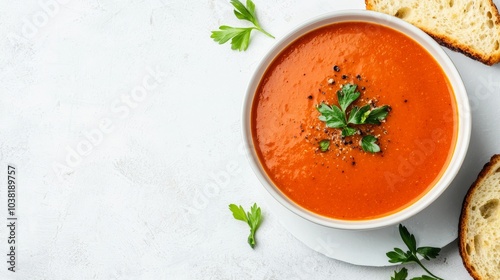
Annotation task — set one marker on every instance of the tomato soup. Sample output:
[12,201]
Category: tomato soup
[416,139]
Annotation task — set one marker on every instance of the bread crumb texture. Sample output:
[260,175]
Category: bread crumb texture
[479,235]
[471,27]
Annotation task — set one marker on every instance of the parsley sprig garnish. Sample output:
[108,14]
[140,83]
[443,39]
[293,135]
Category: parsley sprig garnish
[239,36]
[252,218]
[337,117]
[400,256]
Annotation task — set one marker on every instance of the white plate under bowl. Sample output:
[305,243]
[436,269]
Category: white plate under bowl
[437,224]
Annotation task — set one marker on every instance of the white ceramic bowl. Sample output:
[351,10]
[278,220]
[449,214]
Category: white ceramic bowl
[464,118]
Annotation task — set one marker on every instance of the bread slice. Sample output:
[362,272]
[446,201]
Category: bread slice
[479,229]
[470,27]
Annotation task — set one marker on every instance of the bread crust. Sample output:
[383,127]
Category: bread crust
[464,215]
[454,45]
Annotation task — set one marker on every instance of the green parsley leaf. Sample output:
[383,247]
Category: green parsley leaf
[346,95]
[241,41]
[251,9]
[243,12]
[400,275]
[368,143]
[240,36]
[324,145]
[252,218]
[357,115]
[408,239]
[238,212]
[399,256]
[376,115]
[348,131]
[428,252]
[332,115]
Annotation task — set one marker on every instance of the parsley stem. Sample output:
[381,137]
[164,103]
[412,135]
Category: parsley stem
[426,270]
[251,238]
[263,31]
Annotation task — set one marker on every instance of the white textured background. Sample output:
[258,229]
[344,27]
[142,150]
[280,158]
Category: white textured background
[149,200]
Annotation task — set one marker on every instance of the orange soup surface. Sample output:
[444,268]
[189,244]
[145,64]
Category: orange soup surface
[416,139]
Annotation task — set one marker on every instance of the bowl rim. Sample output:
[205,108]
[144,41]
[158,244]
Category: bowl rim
[433,48]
